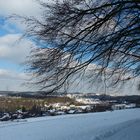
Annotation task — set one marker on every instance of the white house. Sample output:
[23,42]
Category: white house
[118,106]
[123,106]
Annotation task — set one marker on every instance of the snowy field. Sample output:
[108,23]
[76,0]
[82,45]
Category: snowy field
[116,125]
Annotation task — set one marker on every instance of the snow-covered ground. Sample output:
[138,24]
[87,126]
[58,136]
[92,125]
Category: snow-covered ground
[116,125]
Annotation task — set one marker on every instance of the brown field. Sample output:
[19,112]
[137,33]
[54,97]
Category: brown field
[11,104]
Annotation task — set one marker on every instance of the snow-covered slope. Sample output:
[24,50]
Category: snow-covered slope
[116,125]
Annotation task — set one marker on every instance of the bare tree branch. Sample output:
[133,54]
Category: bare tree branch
[76,34]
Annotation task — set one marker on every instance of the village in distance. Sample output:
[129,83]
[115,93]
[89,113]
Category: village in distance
[21,105]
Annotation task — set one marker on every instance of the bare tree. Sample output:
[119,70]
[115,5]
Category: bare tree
[76,35]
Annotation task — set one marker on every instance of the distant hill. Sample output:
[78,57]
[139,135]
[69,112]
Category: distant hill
[42,94]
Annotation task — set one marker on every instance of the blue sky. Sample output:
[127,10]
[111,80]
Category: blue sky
[14,52]
[7,27]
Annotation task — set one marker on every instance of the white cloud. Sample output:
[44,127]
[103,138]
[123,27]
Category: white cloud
[21,7]
[13,49]
[8,74]
[27,8]
[12,80]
